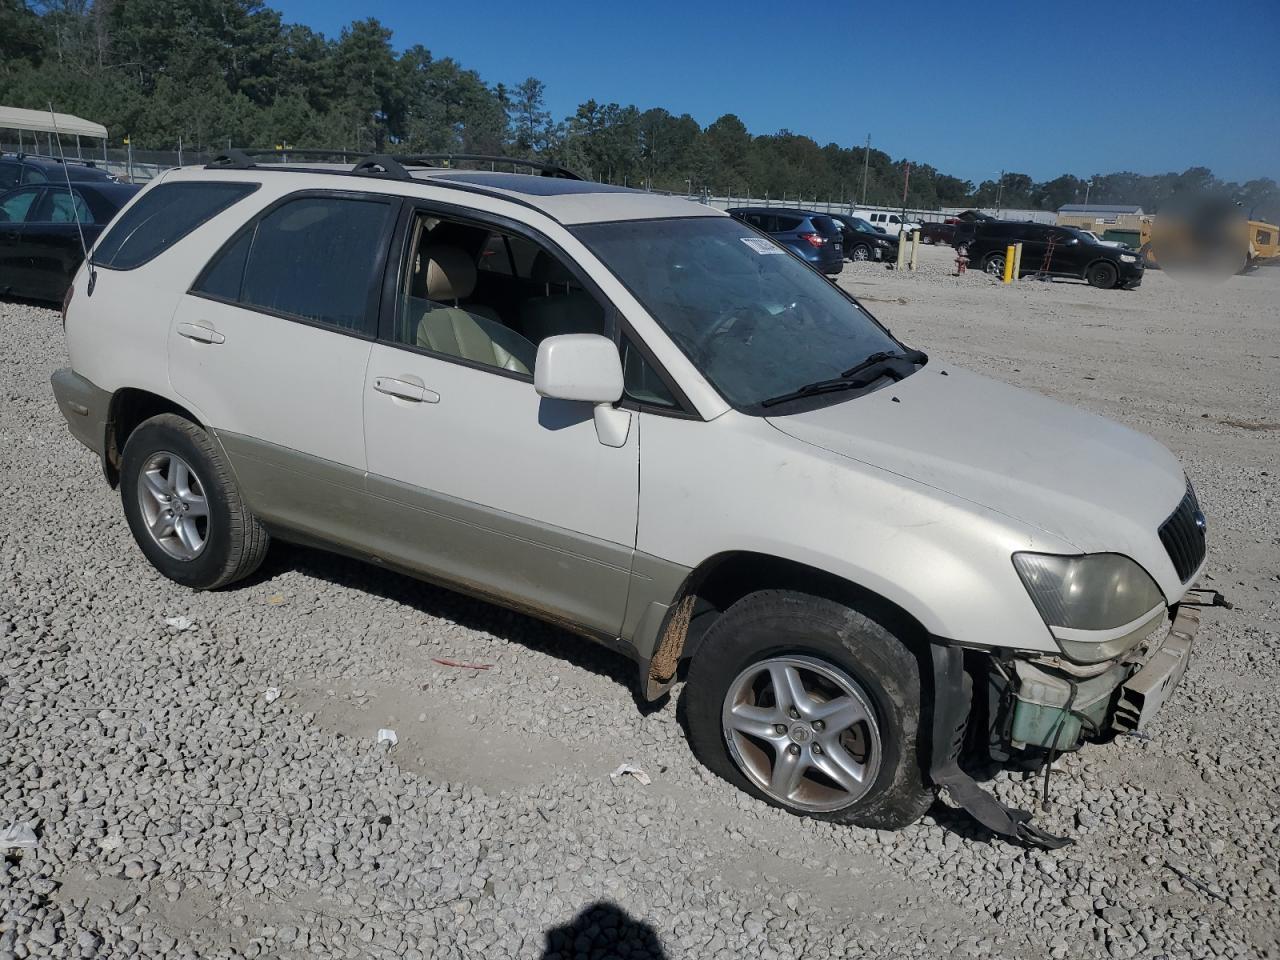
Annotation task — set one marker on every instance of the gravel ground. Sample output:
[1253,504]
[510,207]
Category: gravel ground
[213,787]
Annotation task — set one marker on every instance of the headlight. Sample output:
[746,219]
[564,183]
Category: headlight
[1127,258]
[1094,605]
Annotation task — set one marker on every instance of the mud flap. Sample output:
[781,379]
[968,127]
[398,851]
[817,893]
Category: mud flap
[951,704]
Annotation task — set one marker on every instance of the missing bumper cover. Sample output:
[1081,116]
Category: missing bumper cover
[951,705]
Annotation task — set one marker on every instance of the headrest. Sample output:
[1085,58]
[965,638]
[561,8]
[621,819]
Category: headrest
[547,269]
[449,273]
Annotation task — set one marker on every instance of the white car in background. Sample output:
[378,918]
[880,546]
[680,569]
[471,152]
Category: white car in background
[890,223]
[631,415]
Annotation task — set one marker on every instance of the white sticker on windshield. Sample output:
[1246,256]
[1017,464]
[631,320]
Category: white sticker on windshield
[761,245]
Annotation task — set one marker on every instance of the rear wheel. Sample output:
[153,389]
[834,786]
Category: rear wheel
[860,252]
[183,506]
[812,707]
[1102,275]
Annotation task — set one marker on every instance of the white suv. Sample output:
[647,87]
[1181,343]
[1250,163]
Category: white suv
[639,418]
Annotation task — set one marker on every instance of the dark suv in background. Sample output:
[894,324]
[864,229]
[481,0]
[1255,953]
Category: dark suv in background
[1056,252]
[813,237]
[19,168]
[862,241]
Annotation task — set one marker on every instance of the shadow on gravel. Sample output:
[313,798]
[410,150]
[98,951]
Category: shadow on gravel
[469,612]
[603,931]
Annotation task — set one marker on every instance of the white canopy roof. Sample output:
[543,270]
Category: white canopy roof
[15,118]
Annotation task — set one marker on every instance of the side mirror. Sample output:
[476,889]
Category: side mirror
[585,367]
[578,366]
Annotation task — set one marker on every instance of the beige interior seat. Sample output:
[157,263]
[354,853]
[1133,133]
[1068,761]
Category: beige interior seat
[566,307]
[443,276]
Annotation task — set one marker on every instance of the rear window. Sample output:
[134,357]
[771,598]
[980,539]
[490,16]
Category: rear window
[162,217]
[826,226]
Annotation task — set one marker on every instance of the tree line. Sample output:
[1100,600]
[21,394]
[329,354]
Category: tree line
[210,72]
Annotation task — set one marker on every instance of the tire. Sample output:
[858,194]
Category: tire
[1102,275]
[828,643]
[994,265]
[860,253]
[174,481]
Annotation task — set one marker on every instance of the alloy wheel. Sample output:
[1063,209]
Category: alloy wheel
[803,731]
[172,500]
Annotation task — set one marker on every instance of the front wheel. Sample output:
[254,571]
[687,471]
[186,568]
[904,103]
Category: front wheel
[994,265]
[860,253]
[183,507]
[1102,275]
[810,706]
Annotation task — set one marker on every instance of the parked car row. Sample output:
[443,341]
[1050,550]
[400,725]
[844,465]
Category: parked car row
[824,240]
[40,245]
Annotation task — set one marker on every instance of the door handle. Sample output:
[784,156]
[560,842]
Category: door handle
[200,333]
[405,390]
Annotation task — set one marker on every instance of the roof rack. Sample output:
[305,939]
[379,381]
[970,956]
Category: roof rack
[242,158]
[381,165]
[432,159]
[391,166]
[85,161]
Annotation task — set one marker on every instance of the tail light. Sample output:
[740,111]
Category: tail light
[66,301]
[815,239]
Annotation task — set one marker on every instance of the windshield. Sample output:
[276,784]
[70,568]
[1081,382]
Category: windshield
[753,318]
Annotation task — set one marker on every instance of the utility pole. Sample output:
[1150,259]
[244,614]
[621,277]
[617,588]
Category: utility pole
[1087,187]
[999,192]
[866,161]
[906,182]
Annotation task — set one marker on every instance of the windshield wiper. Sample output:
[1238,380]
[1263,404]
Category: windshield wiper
[880,364]
[881,359]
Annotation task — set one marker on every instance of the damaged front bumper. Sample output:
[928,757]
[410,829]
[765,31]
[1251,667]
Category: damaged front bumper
[1043,704]
[1056,705]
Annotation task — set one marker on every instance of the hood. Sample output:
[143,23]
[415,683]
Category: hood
[1084,479]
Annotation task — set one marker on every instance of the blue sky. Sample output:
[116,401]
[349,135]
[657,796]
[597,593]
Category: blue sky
[1073,86]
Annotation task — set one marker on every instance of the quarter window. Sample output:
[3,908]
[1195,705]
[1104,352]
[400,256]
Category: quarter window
[163,216]
[641,382]
[314,258]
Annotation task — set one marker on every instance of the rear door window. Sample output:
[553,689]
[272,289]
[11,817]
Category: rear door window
[163,216]
[61,206]
[785,223]
[314,258]
[10,173]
